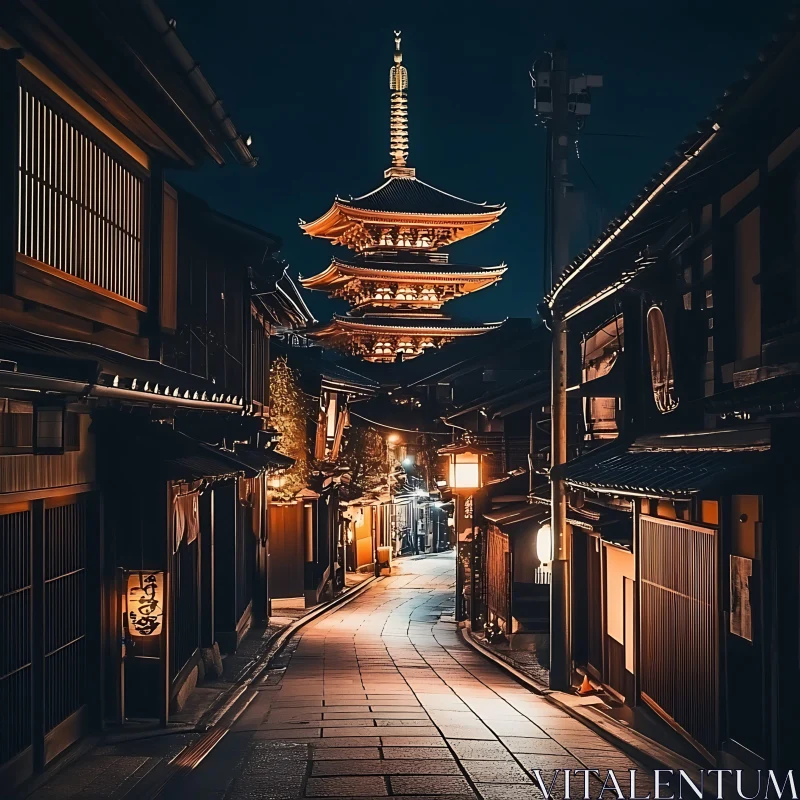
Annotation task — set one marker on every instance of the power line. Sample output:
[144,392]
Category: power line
[395,428]
[618,135]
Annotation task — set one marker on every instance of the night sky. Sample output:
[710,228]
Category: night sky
[309,81]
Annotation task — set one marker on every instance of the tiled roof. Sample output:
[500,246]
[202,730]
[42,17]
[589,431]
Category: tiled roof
[420,322]
[409,195]
[399,267]
[661,472]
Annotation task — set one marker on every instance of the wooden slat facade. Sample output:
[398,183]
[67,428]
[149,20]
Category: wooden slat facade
[678,625]
[498,576]
[79,206]
[44,666]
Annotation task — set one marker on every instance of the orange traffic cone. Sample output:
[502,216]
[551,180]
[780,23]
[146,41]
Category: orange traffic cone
[586,687]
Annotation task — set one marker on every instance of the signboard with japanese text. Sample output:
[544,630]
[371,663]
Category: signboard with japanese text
[145,596]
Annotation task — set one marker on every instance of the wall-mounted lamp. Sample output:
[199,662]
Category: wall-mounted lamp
[544,544]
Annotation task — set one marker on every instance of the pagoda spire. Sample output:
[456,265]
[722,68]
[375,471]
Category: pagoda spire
[398,128]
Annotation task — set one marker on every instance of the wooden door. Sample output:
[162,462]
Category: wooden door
[286,550]
[498,578]
[678,625]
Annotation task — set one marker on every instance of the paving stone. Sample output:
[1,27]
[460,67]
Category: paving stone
[347,741]
[345,753]
[532,762]
[429,785]
[495,772]
[407,766]
[510,791]
[411,741]
[420,753]
[361,786]
[542,746]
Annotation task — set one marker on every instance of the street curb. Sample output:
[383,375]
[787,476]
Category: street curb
[636,745]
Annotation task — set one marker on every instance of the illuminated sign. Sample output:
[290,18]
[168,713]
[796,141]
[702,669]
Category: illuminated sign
[145,598]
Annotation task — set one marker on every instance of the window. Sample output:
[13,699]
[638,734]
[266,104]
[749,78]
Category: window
[747,297]
[17,428]
[779,284]
[79,206]
[661,373]
[601,351]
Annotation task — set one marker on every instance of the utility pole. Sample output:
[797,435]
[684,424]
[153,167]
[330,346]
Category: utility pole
[562,103]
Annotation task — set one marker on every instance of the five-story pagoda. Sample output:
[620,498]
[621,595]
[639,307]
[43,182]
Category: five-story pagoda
[398,279]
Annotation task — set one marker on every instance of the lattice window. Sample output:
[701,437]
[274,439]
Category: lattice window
[80,209]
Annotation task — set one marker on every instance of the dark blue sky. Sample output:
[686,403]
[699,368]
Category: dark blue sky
[309,81]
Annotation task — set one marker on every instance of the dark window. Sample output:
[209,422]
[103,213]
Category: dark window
[601,350]
[661,374]
[779,277]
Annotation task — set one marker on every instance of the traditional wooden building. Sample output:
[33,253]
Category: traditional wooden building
[308,550]
[680,328]
[132,335]
[399,278]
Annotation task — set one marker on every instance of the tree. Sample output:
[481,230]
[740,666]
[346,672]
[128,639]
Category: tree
[364,453]
[288,412]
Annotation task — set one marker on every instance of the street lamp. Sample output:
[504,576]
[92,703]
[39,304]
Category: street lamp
[466,465]
[466,478]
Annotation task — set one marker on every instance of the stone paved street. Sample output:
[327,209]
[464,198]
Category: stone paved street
[382,698]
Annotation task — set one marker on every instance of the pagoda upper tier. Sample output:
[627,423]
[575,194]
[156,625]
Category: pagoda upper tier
[400,282]
[398,279]
[402,213]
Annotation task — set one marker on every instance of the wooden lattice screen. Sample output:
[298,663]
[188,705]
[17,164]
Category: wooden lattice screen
[679,624]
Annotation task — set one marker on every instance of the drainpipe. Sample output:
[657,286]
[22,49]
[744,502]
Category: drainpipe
[560,587]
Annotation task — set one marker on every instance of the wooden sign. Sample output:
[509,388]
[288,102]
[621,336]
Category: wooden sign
[145,598]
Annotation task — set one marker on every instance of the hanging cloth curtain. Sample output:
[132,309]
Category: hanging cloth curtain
[186,515]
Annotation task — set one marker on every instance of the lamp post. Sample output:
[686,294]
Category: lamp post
[465,479]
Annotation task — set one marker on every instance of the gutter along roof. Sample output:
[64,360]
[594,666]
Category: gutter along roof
[149,82]
[94,370]
[696,148]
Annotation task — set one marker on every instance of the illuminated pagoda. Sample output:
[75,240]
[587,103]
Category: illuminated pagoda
[397,279]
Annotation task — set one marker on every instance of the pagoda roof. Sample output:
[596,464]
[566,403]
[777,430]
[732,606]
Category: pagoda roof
[409,195]
[420,324]
[341,271]
[401,201]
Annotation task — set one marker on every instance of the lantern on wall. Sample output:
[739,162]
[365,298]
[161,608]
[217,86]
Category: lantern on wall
[544,544]
[145,603]
[466,464]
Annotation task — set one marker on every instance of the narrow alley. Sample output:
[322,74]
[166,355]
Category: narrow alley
[381,698]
